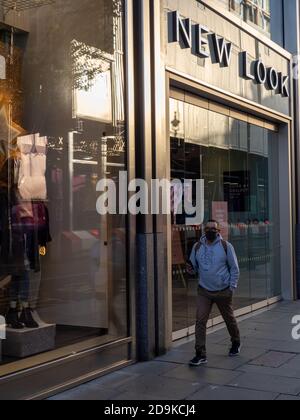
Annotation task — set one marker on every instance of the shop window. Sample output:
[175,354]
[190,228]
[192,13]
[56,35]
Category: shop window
[62,128]
[238,163]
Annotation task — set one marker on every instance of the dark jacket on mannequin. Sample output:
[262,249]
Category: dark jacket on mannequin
[21,232]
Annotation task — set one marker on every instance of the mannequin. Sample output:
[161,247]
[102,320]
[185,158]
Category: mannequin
[30,231]
[24,235]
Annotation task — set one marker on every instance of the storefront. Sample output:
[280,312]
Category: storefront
[170,89]
[229,106]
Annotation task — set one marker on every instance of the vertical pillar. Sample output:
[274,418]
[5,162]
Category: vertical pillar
[161,170]
[145,289]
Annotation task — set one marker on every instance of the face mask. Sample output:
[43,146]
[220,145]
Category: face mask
[211,235]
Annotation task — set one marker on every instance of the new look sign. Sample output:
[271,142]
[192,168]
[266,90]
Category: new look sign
[205,44]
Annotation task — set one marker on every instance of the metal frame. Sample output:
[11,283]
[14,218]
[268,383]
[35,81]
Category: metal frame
[230,100]
[222,109]
[145,258]
[42,366]
[160,171]
[60,375]
[131,167]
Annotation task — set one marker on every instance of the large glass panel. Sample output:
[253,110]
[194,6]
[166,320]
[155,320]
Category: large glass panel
[62,126]
[237,195]
[272,224]
[238,163]
[196,143]
[187,142]
[217,165]
[259,212]
[177,132]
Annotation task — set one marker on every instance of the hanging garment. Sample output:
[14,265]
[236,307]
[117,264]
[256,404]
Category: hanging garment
[31,179]
[11,241]
[32,220]
[24,225]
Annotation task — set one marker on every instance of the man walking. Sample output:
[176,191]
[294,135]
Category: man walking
[216,263]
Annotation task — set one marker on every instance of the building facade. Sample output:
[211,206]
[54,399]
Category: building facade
[166,89]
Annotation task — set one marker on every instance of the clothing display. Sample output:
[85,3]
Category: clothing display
[23,230]
[32,168]
[24,222]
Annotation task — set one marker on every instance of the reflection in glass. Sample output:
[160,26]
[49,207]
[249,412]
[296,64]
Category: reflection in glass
[62,129]
[239,165]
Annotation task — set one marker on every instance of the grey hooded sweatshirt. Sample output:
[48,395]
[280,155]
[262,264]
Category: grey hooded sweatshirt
[217,271]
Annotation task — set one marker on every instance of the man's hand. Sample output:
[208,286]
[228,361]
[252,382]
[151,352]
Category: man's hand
[190,269]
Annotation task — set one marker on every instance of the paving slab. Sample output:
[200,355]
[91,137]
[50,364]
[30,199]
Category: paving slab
[177,357]
[269,383]
[266,327]
[286,372]
[161,387]
[272,316]
[273,359]
[86,393]
[294,363]
[246,352]
[287,398]
[283,334]
[134,396]
[227,363]
[203,374]
[225,393]
[148,368]
[275,345]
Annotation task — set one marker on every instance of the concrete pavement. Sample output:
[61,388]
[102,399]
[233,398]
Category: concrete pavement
[268,368]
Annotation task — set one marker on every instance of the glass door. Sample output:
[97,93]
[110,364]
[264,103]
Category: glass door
[237,163]
[189,132]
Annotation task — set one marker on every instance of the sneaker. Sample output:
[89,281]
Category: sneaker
[12,320]
[235,350]
[27,319]
[198,361]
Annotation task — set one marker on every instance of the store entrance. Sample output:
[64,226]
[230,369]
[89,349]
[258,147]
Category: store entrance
[237,165]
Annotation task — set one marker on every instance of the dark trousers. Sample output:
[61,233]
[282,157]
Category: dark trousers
[224,301]
[20,288]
